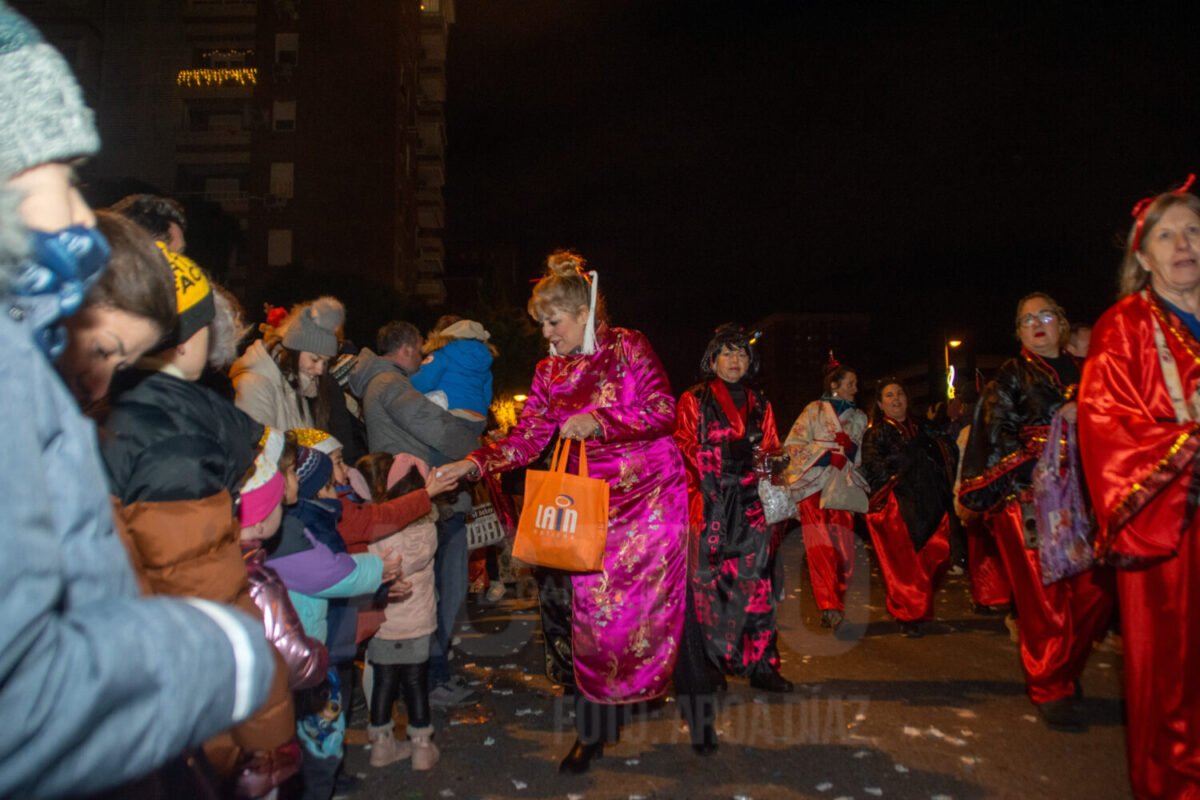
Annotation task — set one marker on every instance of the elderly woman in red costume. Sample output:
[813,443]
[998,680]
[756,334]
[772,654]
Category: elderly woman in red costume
[910,469]
[1139,424]
[1057,623]
[723,427]
[606,386]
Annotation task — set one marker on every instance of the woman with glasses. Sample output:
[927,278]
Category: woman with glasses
[1059,622]
[1138,436]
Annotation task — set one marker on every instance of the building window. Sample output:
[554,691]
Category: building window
[279,247]
[283,117]
[287,48]
[283,179]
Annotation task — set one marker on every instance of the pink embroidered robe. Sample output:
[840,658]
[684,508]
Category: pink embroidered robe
[626,620]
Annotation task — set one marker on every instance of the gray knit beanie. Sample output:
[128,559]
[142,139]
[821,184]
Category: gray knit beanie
[42,114]
[313,326]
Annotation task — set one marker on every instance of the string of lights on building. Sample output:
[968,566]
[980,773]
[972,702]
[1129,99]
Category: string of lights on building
[220,76]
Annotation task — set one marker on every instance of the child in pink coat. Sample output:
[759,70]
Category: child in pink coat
[399,653]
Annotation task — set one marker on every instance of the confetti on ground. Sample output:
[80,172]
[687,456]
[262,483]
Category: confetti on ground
[518,785]
[1029,718]
[446,793]
[574,797]
[824,786]
[474,683]
[631,762]
[505,692]
[900,768]
[527,677]
[965,713]
[911,731]
[862,754]
[488,742]
[1102,665]
[970,761]
[874,791]
[860,717]
[507,666]
[452,722]
[940,797]
[742,797]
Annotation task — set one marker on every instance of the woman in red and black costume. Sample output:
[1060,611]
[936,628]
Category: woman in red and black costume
[722,427]
[1140,436]
[911,471]
[1057,623]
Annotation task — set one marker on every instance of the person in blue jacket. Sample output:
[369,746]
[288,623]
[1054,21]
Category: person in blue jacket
[459,364]
[104,686]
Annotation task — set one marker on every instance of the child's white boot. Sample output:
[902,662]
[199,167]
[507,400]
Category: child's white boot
[385,747]
[424,752]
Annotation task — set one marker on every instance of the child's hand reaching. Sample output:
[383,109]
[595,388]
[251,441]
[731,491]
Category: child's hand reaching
[391,566]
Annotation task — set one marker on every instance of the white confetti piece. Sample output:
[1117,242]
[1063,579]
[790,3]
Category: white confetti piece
[446,793]
[474,683]
[452,722]
[504,692]
[574,796]
[862,754]
[1029,717]
[507,666]
[488,742]
[522,712]
[900,768]
[965,713]
[935,733]
[940,797]
[823,786]
[860,717]
[742,797]
[954,740]
[874,791]
[911,731]
[966,731]
[631,762]
[1102,665]
[527,677]
[844,797]
[519,785]
[969,760]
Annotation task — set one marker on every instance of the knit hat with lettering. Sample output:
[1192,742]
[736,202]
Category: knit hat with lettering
[194,305]
[312,327]
[42,114]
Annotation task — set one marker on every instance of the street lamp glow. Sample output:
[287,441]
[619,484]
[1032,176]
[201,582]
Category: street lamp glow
[954,342]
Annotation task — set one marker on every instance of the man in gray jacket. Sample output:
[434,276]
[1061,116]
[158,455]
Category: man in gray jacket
[400,419]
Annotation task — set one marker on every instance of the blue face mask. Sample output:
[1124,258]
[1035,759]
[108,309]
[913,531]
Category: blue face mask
[64,265]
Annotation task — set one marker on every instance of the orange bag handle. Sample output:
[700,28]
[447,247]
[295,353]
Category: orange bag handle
[562,454]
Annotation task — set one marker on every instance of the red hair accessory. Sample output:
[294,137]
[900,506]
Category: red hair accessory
[832,363]
[1143,205]
[276,316]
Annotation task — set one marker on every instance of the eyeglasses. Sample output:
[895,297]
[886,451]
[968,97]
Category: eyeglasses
[1044,317]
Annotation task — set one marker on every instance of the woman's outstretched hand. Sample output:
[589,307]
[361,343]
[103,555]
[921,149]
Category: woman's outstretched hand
[437,481]
[454,472]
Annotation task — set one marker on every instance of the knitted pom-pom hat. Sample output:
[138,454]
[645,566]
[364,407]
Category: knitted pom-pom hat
[312,327]
[263,490]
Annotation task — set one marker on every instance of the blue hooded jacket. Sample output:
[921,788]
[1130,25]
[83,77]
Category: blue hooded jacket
[463,370]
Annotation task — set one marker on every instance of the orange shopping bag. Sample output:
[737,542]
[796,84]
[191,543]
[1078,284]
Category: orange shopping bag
[564,523]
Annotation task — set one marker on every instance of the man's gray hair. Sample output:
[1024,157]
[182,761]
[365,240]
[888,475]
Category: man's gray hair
[395,335]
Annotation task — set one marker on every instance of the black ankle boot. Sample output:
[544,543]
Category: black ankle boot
[580,757]
[707,744]
[770,681]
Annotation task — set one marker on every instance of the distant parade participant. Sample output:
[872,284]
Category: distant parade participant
[911,472]
[1057,623]
[721,426]
[823,477]
[1138,431]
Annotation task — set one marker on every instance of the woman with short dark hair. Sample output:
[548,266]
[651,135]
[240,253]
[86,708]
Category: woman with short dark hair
[723,427]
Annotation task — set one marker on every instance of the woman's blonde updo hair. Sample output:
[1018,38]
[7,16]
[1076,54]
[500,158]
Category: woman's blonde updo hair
[1134,277]
[565,287]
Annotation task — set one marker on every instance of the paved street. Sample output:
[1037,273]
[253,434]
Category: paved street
[873,715]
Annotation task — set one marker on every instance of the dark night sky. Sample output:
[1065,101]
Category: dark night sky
[927,164]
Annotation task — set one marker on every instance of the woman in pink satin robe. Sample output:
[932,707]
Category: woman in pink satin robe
[605,386]
[1139,435]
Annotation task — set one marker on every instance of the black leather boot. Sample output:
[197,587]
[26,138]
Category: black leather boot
[580,758]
